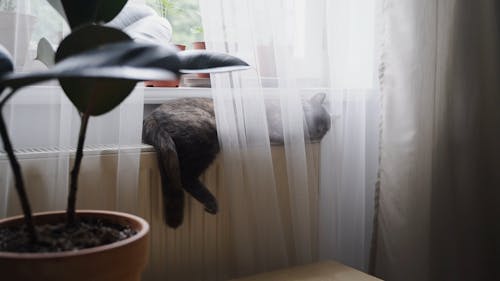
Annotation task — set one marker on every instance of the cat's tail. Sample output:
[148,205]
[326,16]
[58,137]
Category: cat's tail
[168,164]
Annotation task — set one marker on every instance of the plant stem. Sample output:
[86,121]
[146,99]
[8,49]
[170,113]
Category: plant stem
[16,170]
[70,211]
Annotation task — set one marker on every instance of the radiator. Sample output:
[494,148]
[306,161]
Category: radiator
[203,248]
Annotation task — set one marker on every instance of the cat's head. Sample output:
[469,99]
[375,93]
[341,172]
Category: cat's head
[317,119]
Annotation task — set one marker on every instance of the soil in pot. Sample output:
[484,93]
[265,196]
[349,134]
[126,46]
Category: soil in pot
[86,233]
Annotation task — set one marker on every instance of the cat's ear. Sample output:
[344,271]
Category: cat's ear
[318,98]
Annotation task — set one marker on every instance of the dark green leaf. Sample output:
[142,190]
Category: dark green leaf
[6,65]
[98,96]
[19,80]
[81,12]
[87,38]
[120,51]
[130,54]
[198,61]
[97,80]
[45,52]
[153,61]
[108,10]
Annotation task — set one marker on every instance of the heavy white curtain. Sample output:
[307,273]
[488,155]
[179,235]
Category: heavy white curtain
[440,160]
[44,125]
[296,48]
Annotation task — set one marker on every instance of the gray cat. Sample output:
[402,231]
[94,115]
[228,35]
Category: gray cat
[184,135]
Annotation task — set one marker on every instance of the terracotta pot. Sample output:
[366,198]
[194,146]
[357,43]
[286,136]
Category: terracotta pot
[162,83]
[200,46]
[166,83]
[123,260]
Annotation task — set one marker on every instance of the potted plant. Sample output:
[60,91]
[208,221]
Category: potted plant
[97,68]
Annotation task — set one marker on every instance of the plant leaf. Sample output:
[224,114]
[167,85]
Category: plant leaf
[94,90]
[87,95]
[6,65]
[108,10]
[199,61]
[97,76]
[87,38]
[121,50]
[45,52]
[19,80]
[96,96]
[129,53]
[155,62]
[81,12]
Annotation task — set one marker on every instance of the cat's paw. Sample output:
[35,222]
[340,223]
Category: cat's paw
[173,221]
[211,207]
[174,208]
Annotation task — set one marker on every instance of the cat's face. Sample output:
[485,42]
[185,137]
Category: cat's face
[317,118]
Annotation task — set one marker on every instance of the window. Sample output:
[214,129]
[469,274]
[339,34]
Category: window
[24,22]
[184,16]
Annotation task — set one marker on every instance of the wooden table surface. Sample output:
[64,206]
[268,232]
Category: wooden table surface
[321,271]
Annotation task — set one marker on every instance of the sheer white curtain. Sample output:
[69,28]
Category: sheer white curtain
[297,48]
[44,125]
[439,192]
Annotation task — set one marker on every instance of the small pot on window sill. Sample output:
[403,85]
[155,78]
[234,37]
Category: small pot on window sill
[165,83]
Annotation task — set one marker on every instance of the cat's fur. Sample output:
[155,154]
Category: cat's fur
[184,135]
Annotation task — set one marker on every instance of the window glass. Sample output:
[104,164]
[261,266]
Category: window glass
[184,16]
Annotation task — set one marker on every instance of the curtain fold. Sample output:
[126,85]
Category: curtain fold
[296,49]
[439,191]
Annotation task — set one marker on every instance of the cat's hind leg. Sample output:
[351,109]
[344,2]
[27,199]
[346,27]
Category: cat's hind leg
[201,193]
